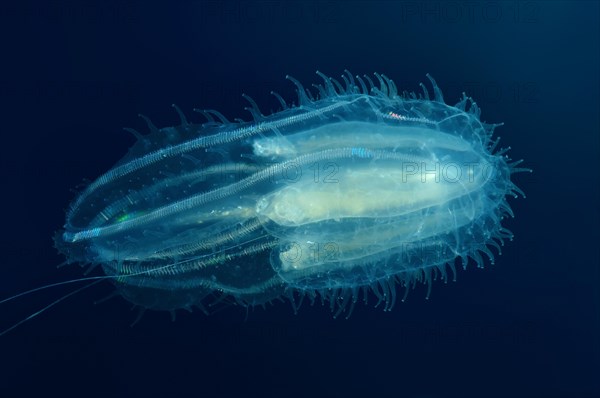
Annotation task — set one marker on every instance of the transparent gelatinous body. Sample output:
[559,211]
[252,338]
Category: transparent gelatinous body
[360,188]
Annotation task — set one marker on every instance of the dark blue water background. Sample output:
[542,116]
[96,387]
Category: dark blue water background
[75,73]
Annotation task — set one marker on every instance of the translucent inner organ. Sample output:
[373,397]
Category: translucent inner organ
[340,213]
[384,191]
